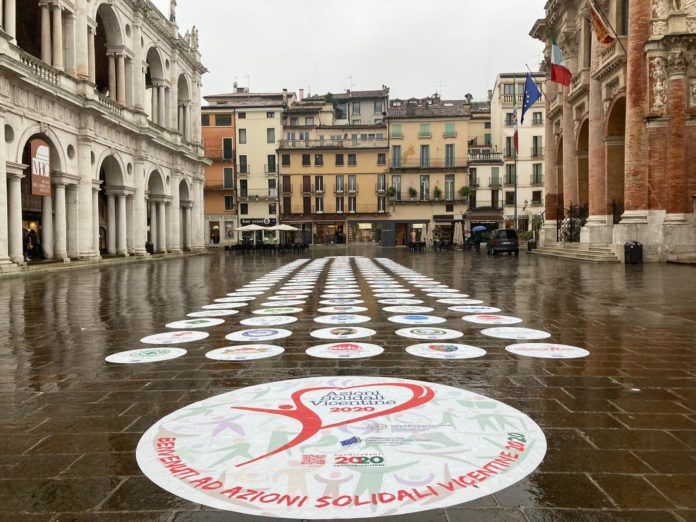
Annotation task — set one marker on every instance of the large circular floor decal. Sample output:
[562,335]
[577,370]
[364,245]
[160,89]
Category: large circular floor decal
[182,336]
[342,319]
[345,350]
[522,334]
[429,334]
[269,320]
[336,448]
[548,351]
[445,351]
[258,335]
[343,332]
[202,322]
[146,355]
[213,313]
[492,319]
[417,319]
[245,353]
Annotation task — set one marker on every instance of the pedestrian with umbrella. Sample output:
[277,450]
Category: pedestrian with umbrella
[477,236]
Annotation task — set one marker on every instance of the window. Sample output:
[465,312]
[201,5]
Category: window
[381,158]
[271,165]
[241,115]
[272,208]
[352,160]
[396,185]
[229,203]
[306,184]
[319,160]
[495,176]
[228,180]
[510,175]
[352,204]
[425,156]
[306,160]
[205,120]
[449,187]
[243,167]
[339,205]
[287,205]
[270,135]
[227,149]
[223,120]
[352,183]
[306,205]
[537,174]
[242,136]
[509,198]
[622,17]
[339,160]
[294,120]
[487,125]
[537,148]
[319,183]
[396,130]
[509,119]
[538,118]
[244,209]
[273,188]
[285,160]
[319,205]
[309,120]
[381,201]
[356,108]
[339,184]
[243,188]
[304,136]
[396,156]
[487,139]
[510,151]
[341,111]
[449,207]
[495,199]
[449,155]
[473,178]
[536,197]
[379,107]
[381,183]
[449,130]
[424,131]
[508,89]
[270,114]
[287,184]
[425,188]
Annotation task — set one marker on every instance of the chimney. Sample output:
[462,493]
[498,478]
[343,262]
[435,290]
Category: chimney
[285,96]
[301,96]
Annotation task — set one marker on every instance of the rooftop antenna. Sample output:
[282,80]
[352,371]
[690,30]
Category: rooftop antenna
[440,86]
[350,83]
[248,79]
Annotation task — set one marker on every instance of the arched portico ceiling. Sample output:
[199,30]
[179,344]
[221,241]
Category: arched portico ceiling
[616,117]
[183,88]
[155,64]
[108,21]
[111,168]
[58,161]
[155,183]
[184,191]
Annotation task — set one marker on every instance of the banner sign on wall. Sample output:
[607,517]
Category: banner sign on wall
[40,168]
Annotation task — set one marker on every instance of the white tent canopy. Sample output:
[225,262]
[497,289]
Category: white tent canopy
[250,228]
[284,228]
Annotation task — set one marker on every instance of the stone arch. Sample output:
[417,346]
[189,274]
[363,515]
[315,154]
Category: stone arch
[112,205]
[155,183]
[185,228]
[157,211]
[111,162]
[184,106]
[559,172]
[108,40]
[58,159]
[615,131]
[156,91]
[583,166]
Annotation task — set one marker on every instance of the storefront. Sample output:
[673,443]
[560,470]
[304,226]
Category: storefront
[365,232]
[330,233]
[259,236]
[221,229]
[444,228]
[398,233]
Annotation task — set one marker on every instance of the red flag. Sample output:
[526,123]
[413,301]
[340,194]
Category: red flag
[600,26]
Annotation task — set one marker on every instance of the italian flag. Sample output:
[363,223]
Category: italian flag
[559,70]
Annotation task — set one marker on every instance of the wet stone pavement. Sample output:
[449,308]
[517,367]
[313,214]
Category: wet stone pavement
[620,424]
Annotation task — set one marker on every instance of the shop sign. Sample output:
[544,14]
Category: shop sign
[40,168]
[262,222]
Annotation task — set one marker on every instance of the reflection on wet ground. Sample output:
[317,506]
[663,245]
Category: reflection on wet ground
[620,424]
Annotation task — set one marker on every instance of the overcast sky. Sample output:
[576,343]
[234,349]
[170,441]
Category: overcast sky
[412,46]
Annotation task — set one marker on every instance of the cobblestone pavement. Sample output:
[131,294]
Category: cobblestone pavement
[620,424]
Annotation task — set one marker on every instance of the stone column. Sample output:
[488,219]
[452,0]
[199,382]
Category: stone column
[180,122]
[47,226]
[4,252]
[677,101]
[138,75]
[72,202]
[121,224]
[570,167]
[91,57]
[112,76]
[70,41]
[174,215]
[161,104]
[46,53]
[161,227]
[57,37]
[155,105]
[95,217]
[188,232]
[110,224]
[130,248]
[14,226]
[87,226]
[121,79]
[197,240]
[61,222]
[139,207]
[82,39]
[187,121]
[10,21]
[153,224]
[636,164]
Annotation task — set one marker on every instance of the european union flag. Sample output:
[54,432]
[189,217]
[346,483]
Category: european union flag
[532,94]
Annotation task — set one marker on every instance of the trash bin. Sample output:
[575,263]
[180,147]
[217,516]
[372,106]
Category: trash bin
[531,245]
[633,253]
[149,248]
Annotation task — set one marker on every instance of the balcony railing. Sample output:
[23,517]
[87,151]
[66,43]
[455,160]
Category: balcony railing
[270,169]
[485,157]
[347,143]
[432,163]
[509,98]
[510,180]
[329,209]
[380,188]
[536,180]
[425,135]
[510,153]
[473,183]
[537,152]
[218,154]
[244,170]
[218,185]
[449,134]
[258,195]
[494,183]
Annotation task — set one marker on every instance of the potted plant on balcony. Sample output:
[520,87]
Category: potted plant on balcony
[464,192]
[412,193]
[391,192]
[437,194]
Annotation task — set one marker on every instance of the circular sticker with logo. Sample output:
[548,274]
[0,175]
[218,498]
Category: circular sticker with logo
[393,296]
[400,301]
[293,292]
[213,313]
[492,319]
[283,304]
[245,352]
[224,306]
[341,302]
[238,299]
[429,334]
[145,355]
[267,334]
[445,351]
[459,301]
[408,309]
[342,309]
[340,295]
[522,334]
[343,332]
[178,337]
[245,293]
[269,320]
[440,295]
[475,309]
[345,351]
[417,319]
[342,319]
[302,298]
[278,310]
[548,351]
[202,322]
[340,448]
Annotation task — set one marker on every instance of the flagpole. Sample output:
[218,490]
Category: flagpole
[541,89]
[516,147]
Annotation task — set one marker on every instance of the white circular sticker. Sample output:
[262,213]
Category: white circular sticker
[302,298]
[244,293]
[213,313]
[340,448]
[245,352]
[460,301]
[278,310]
[266,334]
[408,309]
[145,355]
[342,309]
[202,322]
[341,302]
[393,296]
[340,295]
[516,333]
[445,351]
[429,334]
[342,319]
[400,301]
[343,332]
[283,304]
[548,351]
[182,336]
[440,295]
[269,320]
[475,309]
[224,306]
[345,351]
[238,299]
[492,319]
[417,319]
[293,292]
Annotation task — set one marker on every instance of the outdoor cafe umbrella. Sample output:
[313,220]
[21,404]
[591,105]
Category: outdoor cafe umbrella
[458,238]
[285,228]
[429,234]
[250,228]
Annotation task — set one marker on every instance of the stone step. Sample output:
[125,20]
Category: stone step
[580,255]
